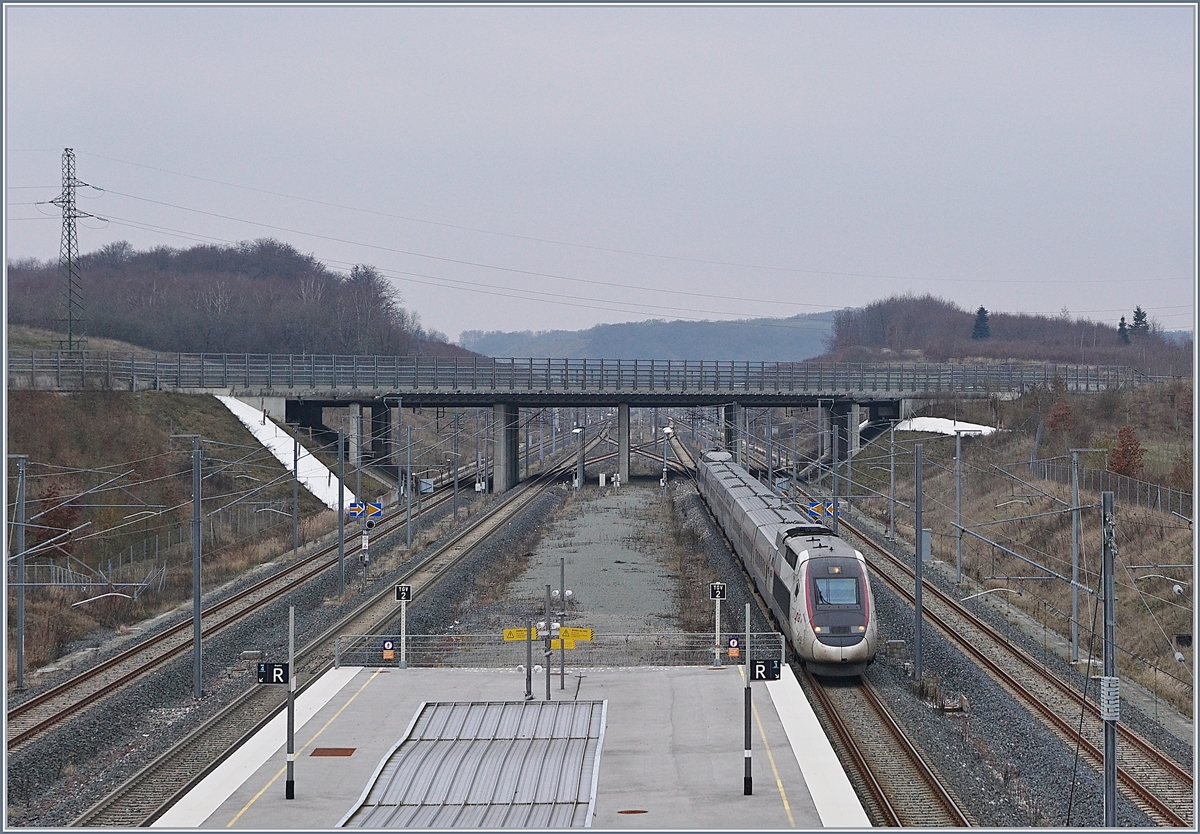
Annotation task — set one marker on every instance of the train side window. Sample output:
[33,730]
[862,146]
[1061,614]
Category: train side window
[790,555]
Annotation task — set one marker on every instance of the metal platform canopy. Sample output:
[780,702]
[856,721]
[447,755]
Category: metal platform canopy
[490,764]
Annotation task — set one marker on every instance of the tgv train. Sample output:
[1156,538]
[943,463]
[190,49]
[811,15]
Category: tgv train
[814,582]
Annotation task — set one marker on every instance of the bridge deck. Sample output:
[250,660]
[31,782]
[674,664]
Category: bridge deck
[485,381]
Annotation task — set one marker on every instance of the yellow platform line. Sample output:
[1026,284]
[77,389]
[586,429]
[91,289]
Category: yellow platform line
[770,758]
[283,769]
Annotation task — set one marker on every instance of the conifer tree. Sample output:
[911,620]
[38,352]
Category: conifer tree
[1140,324]
[981,330]
[1123,331]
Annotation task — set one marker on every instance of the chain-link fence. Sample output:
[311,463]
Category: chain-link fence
[492,651]
[1126,490]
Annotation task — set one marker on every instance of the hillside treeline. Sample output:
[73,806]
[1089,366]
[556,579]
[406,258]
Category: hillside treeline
[256,297]
[754,340]
[927,328]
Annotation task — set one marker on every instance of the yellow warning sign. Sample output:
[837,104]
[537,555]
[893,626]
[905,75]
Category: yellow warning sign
[518,634]
[389,654]
[575,633]
[565,643]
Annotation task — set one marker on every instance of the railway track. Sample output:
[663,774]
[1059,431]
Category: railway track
[899,786]
[1154,782]
[1151,780]
[150,792]
[33,717]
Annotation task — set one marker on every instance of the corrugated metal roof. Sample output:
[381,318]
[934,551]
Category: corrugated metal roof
[491,764]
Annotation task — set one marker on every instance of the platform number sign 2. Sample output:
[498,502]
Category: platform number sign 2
[717,590]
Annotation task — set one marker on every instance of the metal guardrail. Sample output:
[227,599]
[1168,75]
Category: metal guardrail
[261,373]
[1126,490]
[491,651]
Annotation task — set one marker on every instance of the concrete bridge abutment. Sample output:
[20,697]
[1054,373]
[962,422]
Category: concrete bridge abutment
[508,438]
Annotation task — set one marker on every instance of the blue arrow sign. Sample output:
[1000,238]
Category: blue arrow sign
[822,509]
[356,509]
[375,510]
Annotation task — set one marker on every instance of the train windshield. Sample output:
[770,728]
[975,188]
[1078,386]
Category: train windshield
[837,591]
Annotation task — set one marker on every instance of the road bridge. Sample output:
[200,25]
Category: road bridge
[295,387]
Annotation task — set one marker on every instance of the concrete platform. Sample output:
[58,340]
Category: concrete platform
[672,752]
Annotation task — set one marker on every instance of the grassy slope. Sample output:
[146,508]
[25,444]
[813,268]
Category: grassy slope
[1149,614]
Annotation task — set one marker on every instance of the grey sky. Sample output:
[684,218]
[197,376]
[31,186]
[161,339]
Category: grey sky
[770,161]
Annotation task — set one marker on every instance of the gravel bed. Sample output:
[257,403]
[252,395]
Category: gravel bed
[56,778]
[998,760]
[1025,636]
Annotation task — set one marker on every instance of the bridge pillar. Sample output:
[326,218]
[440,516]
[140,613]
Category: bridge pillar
[846,418]
[381,432]
[732,420]
[305,414]
[623,442]
[508,440]
[354,432]
[395,418]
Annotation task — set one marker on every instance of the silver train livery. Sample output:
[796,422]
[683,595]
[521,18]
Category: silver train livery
[814,582]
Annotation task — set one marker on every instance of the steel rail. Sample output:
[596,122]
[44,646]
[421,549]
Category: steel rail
[286,579]
[1171,769]
[202,750]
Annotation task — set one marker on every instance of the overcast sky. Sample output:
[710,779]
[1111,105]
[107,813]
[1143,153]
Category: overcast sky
[544,168]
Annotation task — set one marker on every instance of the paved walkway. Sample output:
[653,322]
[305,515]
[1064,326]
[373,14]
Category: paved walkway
[672,753]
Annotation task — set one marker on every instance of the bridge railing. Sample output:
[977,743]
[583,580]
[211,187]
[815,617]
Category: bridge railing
[80,370]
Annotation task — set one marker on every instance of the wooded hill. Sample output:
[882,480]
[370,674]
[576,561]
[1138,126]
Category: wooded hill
[930,329]
[791,339]
[256,297]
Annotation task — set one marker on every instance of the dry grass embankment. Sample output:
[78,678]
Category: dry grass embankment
[1032,520]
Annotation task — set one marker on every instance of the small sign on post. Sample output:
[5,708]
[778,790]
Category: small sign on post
[273,673]
[764,669]
[717,590]
[403,593]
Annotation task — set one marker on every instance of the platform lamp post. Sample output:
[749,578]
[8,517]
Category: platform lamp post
[1075,536]
[1110,693]
[197,528]
[457,415]
[408,486]
[579,468]
[295,427]
[958,507]
[667,432]
[919,613]
[20,533]
[341,513]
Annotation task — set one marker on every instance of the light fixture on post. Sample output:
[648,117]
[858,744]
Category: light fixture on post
[579,469]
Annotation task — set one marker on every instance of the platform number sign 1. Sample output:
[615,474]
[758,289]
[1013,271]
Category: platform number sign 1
[403,593]
[717,590]
[273,673]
